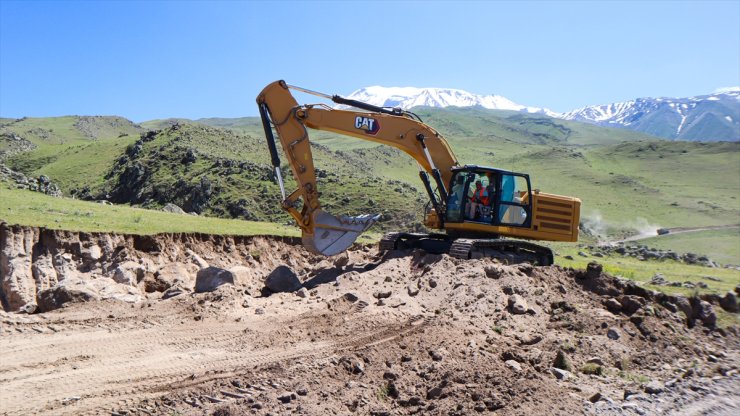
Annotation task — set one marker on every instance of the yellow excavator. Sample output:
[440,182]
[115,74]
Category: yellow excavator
[477,207]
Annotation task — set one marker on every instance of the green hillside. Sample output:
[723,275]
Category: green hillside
[74,151]
[628,182]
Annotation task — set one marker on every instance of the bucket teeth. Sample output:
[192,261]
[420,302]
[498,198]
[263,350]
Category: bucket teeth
[333,235]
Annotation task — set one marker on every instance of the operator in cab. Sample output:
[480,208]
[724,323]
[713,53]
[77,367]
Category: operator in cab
[479,198]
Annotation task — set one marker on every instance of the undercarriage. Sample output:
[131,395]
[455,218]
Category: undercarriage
[506,250]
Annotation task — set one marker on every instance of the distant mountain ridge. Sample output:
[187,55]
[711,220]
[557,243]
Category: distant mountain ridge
[408,97]
[711,117]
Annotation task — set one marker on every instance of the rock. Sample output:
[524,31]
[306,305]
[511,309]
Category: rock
[595,360]
[436,355]
[124,276]
[595,397]
[582,254]
[65,292]
[286,397]
[210,278]
[174,291]
[172,208]
[92,253]
[437,392]
[634,407]
[493,271]
[684,305]
[173,274]
[341,261]
[729,302]
[658,279]
[382,294]
[593,270]
[560,374]
[613,333]
[412,289]
[613,305]
[247,279]
[631,303]
[358,367]
[390,376]
[562,361]
[513,365]
[517,304]
[302,293]
[628,393]
[705,313]
[283,279]
[654,387]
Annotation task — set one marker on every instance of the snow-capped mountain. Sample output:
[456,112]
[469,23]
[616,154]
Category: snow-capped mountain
[408,97]
[706,117]
[710,117]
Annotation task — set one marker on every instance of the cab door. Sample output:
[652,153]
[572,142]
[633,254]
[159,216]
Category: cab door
[513,206]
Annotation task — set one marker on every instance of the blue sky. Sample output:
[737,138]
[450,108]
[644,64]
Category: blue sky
[147,60]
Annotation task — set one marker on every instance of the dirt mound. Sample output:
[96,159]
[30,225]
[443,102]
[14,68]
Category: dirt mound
[367,333]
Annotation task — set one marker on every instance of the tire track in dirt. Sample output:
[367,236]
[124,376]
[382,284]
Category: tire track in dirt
[120,366]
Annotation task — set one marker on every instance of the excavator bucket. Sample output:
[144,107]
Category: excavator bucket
[334,235]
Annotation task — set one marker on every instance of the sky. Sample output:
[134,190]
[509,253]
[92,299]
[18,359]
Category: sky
[147,60]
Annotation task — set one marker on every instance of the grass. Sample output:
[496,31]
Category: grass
[724,245]
[38,210]
[643,271]
[592,369]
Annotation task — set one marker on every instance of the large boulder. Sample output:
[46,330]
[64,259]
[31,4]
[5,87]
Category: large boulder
[71,290]
[85,288]
[173,274]
[283,279]
[729,302]
[124,275]
[248,279]
[631,303]
[210,278]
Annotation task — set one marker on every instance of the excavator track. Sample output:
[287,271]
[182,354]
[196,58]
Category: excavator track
[506,250]
[513,251]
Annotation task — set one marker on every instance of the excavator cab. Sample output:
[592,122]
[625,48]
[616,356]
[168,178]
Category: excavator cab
[489,196]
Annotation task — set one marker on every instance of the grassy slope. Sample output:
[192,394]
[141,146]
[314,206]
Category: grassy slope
[73,151]
[35,209]
[643,271]
[724,245]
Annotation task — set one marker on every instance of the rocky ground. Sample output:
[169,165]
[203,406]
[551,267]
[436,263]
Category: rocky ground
[208,325]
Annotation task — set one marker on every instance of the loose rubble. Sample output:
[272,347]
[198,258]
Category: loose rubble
[186,324]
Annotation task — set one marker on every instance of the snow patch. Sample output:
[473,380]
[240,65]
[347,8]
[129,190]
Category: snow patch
[725,90]
[408,97]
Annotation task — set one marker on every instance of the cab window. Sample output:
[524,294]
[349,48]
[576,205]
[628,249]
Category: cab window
[514,202]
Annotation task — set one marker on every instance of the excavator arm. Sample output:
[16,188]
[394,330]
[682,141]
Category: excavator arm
[322,232]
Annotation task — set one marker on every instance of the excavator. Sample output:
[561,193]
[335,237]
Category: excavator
[479,211]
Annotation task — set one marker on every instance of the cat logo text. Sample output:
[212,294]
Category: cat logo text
[369,125]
